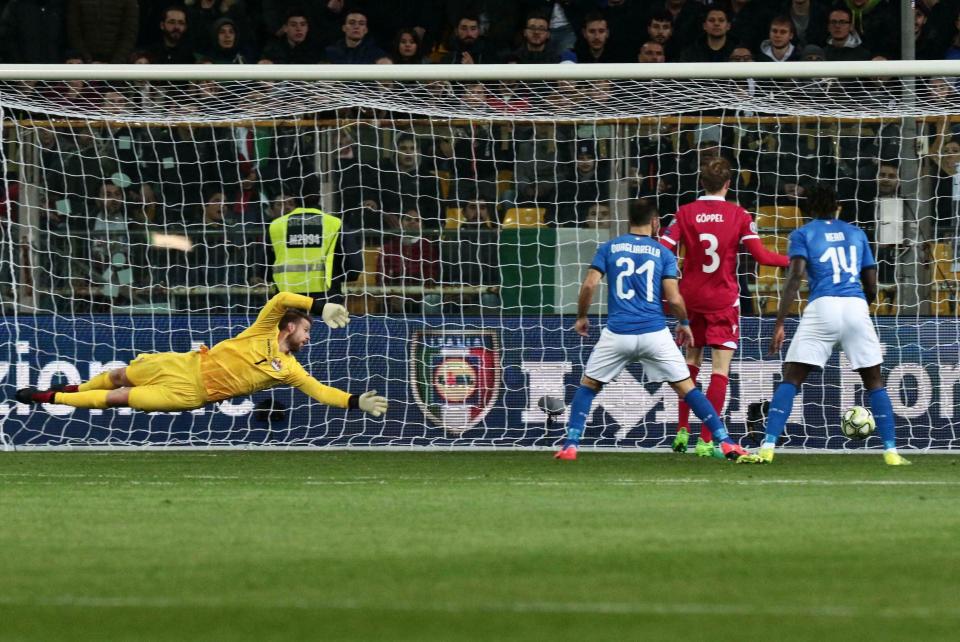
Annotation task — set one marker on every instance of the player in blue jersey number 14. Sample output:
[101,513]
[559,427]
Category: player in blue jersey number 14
[842,275]
[640,272]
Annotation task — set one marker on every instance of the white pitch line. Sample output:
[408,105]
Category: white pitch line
[558,608]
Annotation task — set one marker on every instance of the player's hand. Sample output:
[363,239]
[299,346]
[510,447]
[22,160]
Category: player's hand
[335,315]
[684,336]
[466,59]
[582,326]
[776,341]
[373,403]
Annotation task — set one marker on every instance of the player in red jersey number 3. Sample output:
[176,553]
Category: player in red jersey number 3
[711,230]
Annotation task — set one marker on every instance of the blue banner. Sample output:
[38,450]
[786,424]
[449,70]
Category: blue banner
[474,382]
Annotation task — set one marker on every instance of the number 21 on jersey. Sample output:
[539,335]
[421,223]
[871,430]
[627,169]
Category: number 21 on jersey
[840,263]
[628,269]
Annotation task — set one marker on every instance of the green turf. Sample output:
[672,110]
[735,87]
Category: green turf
[446,546]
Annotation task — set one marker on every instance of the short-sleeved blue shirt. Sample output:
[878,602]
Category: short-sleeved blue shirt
[635,266]
[836,252]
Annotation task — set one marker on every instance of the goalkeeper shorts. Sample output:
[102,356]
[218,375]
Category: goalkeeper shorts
[167,381]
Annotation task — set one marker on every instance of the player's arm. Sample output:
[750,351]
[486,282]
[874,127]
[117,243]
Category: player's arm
[762,255]
[587,290]
[751,240]
[333,314]
[868,278]
[671,294]
[671,238]
[367,402]
[798,265]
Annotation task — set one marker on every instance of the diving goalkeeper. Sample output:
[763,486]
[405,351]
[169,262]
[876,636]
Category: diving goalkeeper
[260,357]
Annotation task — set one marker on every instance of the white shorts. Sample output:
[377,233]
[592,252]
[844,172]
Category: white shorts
[830,320]
[656,351]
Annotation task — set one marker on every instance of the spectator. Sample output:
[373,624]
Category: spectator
[467,46]
[595,38]
[747,19]
[809,19]
[355,48]
[408,179]
[477,213]
[174,47]
[598,216]
[713,45]
[589,185]
[109,211]
[813,53]
[660,30]
[103,30]
[651,51]
[778,47]
[564,15]
[281,205]
[31,31]
[203,14]
[409,258]
[953,48]
[536,38]
[293,47]
[925,44]
[225,47]
[629,18]
[686,17]
[844,43]
[406,48]
[741,53]
[945,154]
[214,209]
[878,24]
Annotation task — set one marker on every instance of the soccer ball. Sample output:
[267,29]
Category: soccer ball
[858,423]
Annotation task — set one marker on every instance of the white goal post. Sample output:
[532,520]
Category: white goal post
[472,196]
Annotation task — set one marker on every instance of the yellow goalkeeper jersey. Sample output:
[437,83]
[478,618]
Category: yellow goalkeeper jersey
[252,360]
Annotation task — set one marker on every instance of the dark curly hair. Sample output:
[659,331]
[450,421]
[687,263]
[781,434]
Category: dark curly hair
[820,201]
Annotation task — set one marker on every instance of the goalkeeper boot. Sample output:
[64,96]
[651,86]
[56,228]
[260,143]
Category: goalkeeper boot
[703,448]
[568,453]
[893,458]
[737,453]
[32,395]
[680,441]
[766,454]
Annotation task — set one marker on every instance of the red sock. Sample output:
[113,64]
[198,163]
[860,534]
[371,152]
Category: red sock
[70,388]
[684,418]
[716,395]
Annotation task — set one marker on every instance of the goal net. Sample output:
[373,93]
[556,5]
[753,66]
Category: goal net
[137,212]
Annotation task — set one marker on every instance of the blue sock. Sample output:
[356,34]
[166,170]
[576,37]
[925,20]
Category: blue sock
[579,411]
[780,409]
[703,409]
[882,411]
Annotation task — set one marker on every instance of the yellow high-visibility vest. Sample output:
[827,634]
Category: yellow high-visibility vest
[304,242]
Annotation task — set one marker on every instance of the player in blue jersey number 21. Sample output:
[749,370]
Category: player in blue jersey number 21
[640,273]
[842,275]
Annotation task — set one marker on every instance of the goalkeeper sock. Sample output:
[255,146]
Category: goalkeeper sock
[579,411]
[100,382]
[683,420]
[702,408]
[882,410]
[780,409]
[716,395]
[88,399]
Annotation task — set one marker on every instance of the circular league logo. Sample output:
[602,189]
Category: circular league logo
[455,380]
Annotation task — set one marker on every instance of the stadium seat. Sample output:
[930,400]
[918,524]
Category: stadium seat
[776,242]
[504,182]
[444,179]
[524,217]
[944,279]
[779,217]
[454,218]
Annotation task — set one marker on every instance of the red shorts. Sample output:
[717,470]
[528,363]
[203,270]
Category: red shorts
[719,329]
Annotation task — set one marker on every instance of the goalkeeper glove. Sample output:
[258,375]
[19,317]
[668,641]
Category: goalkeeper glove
[373,403]
[335,315]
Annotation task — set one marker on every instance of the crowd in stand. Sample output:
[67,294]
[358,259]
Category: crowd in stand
[397,180]
[466,31]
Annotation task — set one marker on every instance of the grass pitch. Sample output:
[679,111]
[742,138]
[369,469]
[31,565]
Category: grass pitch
[447,546]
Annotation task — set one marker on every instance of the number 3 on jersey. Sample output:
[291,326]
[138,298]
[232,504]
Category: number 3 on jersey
[838,259]
[629,268]
[711,252]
